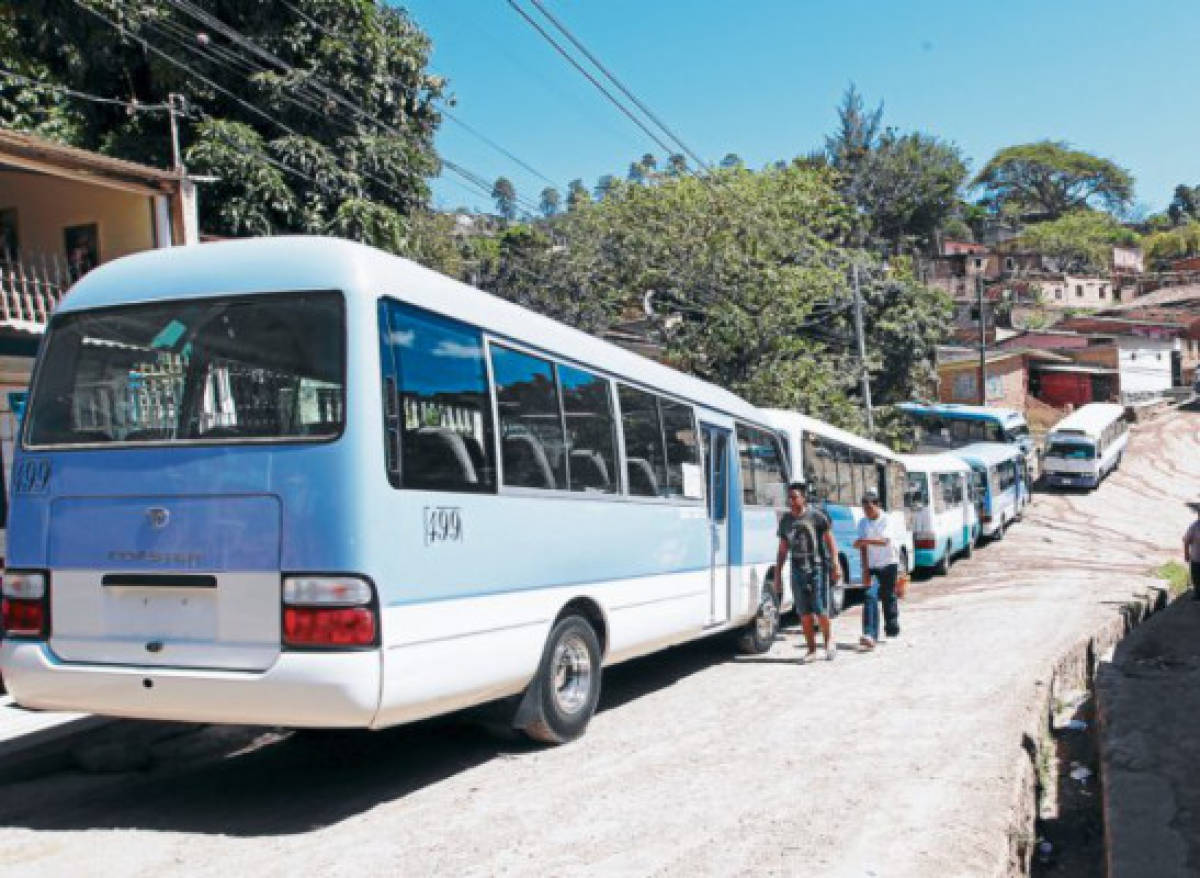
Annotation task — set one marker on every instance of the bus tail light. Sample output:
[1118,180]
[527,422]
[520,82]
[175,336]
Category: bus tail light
[329,612]
[924,541]
[26,610]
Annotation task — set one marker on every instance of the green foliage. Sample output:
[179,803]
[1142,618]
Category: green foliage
[1049,179]
[907,186]
[857,133]
[1185,205]
[357,172]
[504,193]
[1175,574]
[746,277]
[551,202]
[1082,240]
[1177,243]
[577,195]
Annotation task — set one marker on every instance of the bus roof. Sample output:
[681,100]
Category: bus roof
[1090,419]
[363,274]
[782,419]
[953,410]
[988,453]
[934,463]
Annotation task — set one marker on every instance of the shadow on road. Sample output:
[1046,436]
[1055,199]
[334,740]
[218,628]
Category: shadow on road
[246,782]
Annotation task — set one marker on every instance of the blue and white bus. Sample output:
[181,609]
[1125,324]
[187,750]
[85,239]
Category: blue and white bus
[301,482]
[841,466]
[945,522]
[999,487]
[945,426]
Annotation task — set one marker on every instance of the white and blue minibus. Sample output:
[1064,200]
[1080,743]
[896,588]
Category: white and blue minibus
[840,466]
[945,523]
[301,482]
[1086,445]
[998,475]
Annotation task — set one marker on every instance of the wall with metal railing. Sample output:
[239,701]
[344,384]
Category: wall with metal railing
[31,287]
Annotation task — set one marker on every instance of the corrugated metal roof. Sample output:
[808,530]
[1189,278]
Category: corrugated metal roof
[27,147]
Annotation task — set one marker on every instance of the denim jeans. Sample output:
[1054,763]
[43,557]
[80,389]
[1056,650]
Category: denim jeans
[870,605]
[886,577]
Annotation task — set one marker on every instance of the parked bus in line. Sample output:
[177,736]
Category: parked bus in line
[940,489]
[1086,445]
[946,426]
[840,466]
[998,485]
[301,482]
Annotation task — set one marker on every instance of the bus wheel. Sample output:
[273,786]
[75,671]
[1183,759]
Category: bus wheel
[999,534]
[563,696]
[942,567]
[969,548]
[759,635]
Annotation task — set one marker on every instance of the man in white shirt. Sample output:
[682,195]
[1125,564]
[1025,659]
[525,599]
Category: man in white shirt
[880,565]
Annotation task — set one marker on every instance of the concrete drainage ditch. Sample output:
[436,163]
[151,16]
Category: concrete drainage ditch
[1057,817]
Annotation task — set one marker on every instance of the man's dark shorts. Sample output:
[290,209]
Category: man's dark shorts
[808,588]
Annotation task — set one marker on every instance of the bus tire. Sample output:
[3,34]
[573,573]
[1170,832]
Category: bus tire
[563,695]
[759,635]
[942,567]
[969,548]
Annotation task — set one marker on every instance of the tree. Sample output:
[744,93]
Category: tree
[551,202]
[677,165]
[908,186]
[1081,241]
[1185,205]
[637,173]
[340,139]
[747,281]
[1049,179]
[504,193]
[731,161]
[857,133]
[1176,243]
[577,195]
[604,186]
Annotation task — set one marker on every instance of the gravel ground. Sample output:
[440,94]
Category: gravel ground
[907,761]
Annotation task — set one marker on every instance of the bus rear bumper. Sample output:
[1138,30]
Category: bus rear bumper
[928,557]
[302,689]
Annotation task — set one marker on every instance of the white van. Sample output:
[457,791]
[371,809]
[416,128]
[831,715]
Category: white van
[941,495]
[1086,445]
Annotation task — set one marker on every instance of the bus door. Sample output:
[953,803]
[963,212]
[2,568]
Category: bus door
[717,444]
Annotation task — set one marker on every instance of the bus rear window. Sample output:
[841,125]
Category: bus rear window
[262,367]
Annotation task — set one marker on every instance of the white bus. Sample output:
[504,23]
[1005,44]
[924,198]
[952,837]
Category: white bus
[1086,445]
[941,490]
[840,466]
[301,482]
[999,485]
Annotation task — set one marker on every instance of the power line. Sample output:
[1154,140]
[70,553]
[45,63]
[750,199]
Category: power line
[332,94]
[97,99]
[571,60]
[620,85]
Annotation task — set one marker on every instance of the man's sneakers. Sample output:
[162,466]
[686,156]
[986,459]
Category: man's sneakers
[830,651]
[809,656]
[866,644]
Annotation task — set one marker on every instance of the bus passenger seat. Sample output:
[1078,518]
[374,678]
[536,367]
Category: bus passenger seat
[438,456]
[641,477]
[525,463]
[588,470]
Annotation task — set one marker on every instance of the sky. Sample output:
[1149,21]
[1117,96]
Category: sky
[762,78]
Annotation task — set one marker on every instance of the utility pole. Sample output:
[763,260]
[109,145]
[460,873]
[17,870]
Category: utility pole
[982,342]
[176,106]
[862,353]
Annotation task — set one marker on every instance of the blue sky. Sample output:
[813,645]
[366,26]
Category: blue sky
[762,77]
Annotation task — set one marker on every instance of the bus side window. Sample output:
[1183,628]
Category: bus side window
[645,460]
[683,450]
[763,478]
[442,404]
[532,441]
[591,440]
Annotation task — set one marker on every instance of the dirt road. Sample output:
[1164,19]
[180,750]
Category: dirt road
[904,762]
